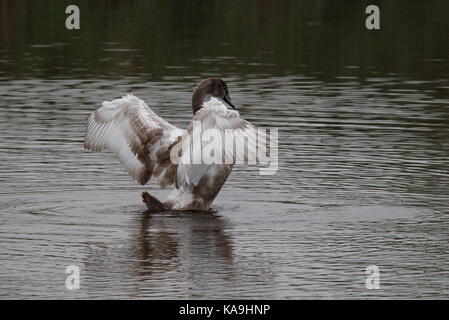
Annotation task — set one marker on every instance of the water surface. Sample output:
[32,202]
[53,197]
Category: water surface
[363,175]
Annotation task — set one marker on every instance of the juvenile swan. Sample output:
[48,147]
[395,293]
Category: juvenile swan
[144,142]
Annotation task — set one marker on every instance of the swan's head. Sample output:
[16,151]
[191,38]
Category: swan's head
[213,87]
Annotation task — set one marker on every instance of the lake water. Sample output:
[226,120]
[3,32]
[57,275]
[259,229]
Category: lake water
[363,179]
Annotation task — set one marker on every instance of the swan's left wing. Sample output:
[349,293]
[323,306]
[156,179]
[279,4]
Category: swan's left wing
[141,139]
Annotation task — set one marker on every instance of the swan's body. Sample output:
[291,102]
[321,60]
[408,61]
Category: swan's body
[143,142]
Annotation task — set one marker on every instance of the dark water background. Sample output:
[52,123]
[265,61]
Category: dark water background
[363,120]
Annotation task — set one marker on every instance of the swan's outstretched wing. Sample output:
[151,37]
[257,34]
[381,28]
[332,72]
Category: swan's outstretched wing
[214,115]
[141,139]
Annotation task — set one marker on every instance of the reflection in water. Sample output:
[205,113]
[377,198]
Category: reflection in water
[324,39]
[165,238]
[162,244]
[154,246]
[174,255]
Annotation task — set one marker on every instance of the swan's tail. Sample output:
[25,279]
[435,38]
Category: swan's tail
[153,204]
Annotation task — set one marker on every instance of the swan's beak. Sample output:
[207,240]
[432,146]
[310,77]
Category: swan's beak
[227,99]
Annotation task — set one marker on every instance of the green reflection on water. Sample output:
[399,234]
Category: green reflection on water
[162,38]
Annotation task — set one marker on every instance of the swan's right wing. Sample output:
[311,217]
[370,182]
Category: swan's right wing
[141,139]
[214,115]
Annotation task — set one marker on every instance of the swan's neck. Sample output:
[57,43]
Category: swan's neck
[199,97]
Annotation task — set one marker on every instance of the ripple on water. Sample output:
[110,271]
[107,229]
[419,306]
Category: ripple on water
[363,179]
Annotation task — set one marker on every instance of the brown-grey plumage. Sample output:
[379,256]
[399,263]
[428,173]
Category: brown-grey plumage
[144,141]
[213,87]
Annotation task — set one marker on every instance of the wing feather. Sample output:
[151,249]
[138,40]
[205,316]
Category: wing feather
[215,115]
[139,137]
